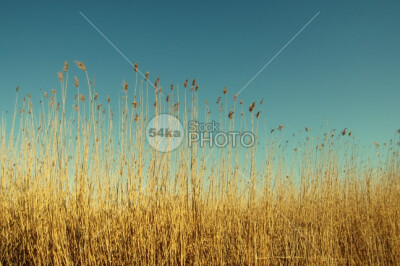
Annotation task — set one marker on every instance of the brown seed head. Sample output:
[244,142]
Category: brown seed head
[125,85]
[60,76]
[252,107]
[80,65]
[230,114]
[225,90]
[280,127]
[376,144]
[194,82]
[176,106]
[17,89]
[186,82]
[197,87]
[258,114]
[108,99]
[96,96]
[82,97]
[136,67]
[218,100]
[53,91]
[241,101]
[147,75]
[65,66]
[172,87]
[167,99]
[76,82]
[344,132]
[235,97]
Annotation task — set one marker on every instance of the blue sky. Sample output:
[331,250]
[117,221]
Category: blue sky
[343,68]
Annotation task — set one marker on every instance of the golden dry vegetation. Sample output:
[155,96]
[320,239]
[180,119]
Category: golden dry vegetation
[81,186]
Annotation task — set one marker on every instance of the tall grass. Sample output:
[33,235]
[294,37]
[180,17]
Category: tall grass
[80,185]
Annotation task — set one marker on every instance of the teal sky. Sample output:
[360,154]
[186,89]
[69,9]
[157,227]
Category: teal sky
[344,67]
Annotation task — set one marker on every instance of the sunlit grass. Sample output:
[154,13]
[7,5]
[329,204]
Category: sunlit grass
[80,185]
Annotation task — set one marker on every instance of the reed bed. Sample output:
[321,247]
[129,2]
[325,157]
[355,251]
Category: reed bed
[80,185]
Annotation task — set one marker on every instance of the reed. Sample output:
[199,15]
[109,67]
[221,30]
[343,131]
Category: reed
[81,186]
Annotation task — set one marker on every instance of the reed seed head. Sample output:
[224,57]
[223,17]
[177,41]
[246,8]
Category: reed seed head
[125,85]
[65,66]
[60,76]
[80,65]
[251,108]
[76,84]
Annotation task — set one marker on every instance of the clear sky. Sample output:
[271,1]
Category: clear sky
[344,67]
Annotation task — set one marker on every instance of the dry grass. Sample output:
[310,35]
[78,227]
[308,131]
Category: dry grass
[80,186]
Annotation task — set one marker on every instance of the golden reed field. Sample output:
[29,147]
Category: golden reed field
[80,185]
